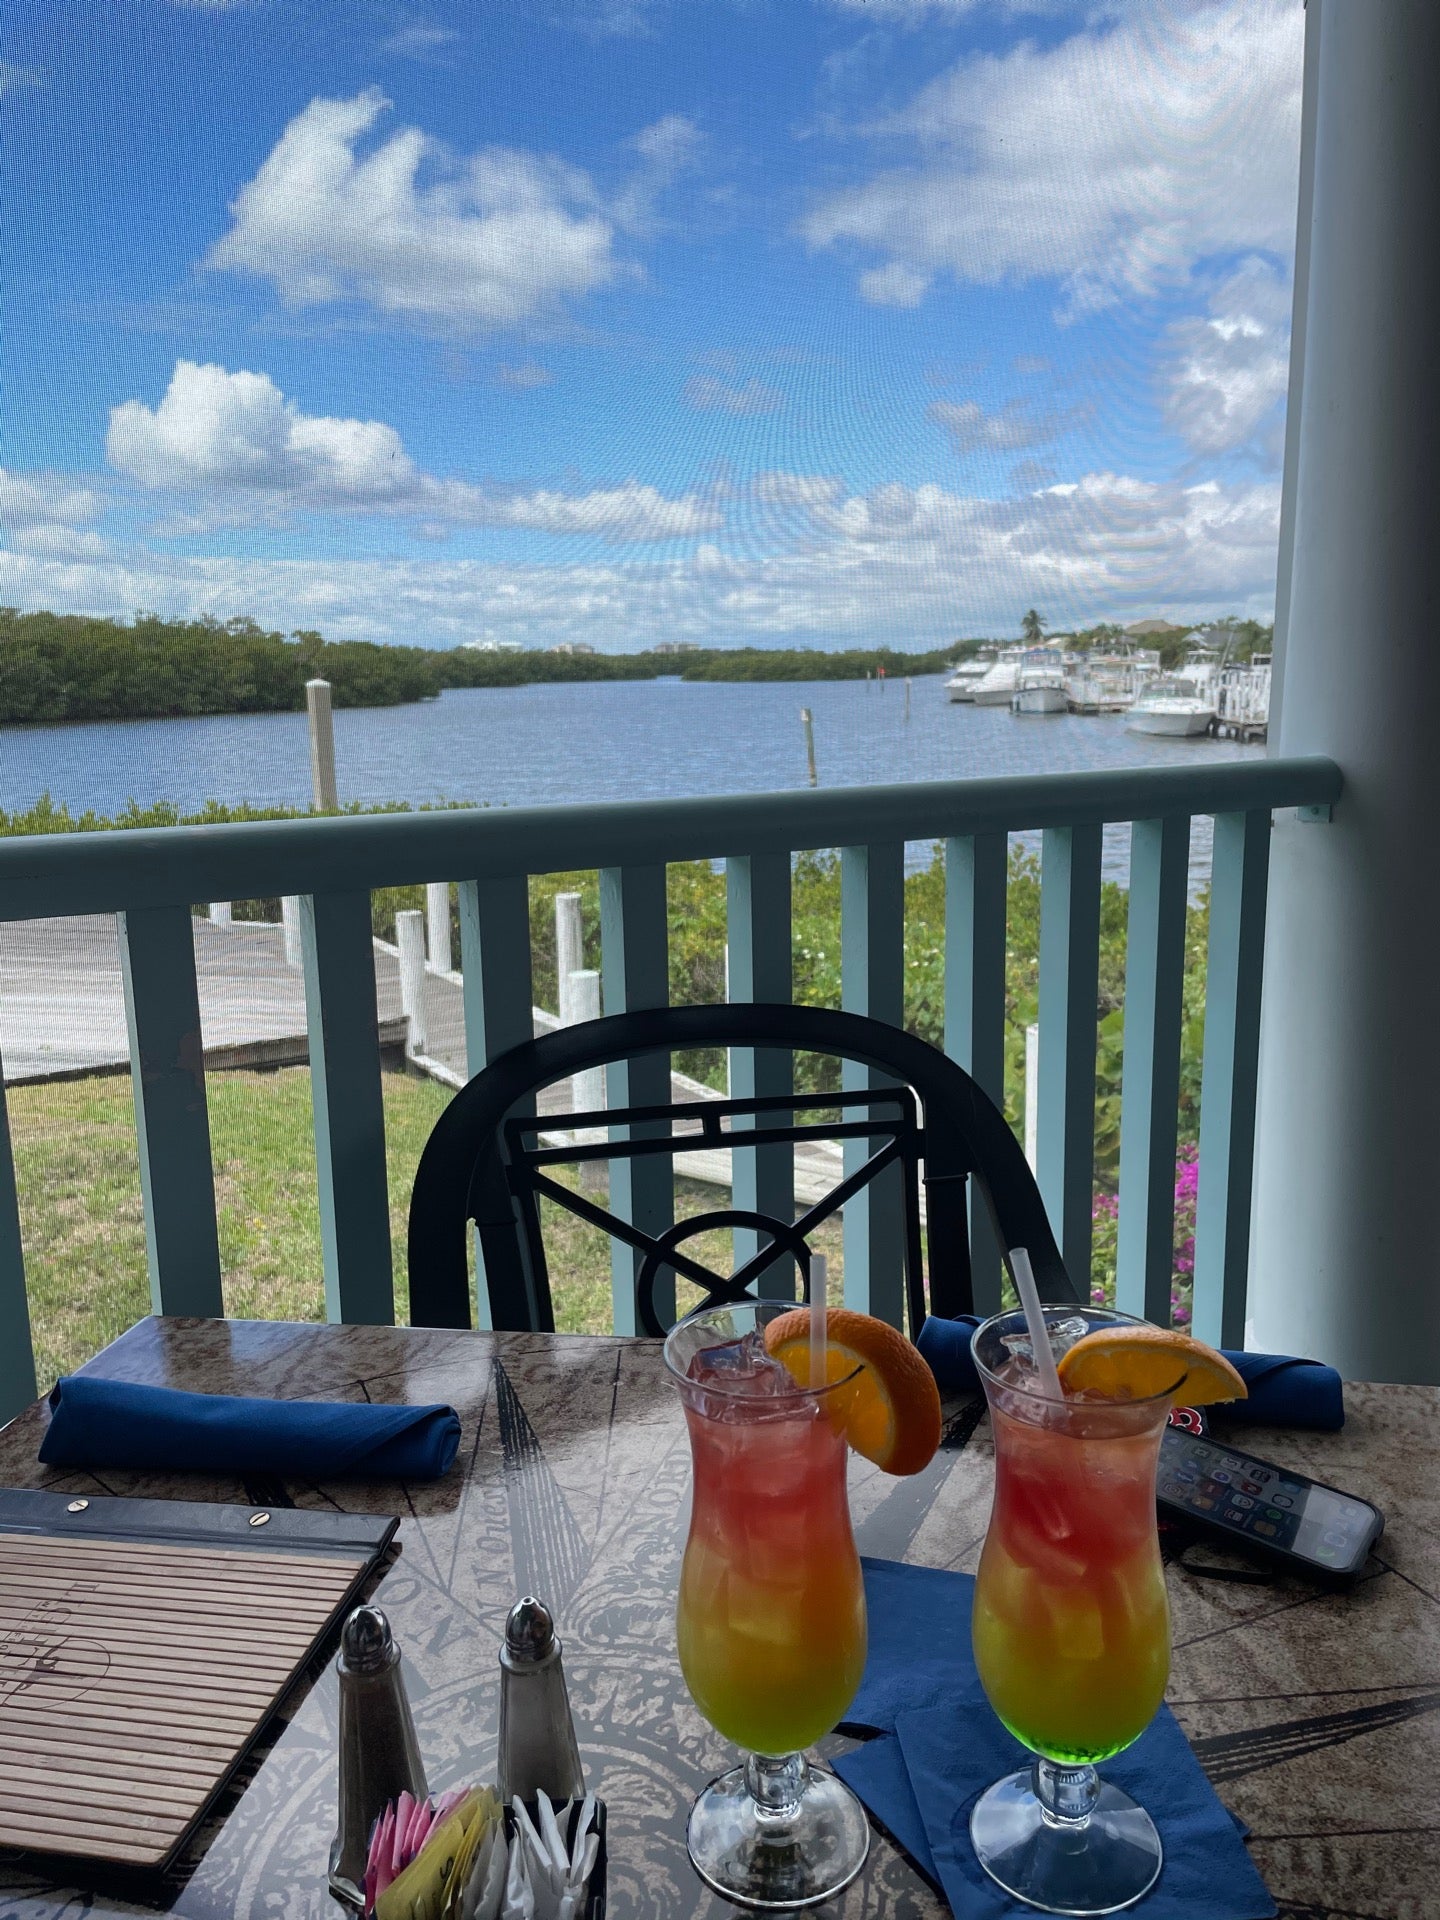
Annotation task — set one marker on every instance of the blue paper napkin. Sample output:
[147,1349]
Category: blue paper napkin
[1285,1391]
[114,1423]
[944,1746]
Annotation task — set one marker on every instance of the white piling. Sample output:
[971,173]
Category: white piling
[569,956]
[907,699]
[220,913]
[290,917]
[437,924]
[1032,1095]
[322,745]
[809,725]
[410,939]
[587,1089]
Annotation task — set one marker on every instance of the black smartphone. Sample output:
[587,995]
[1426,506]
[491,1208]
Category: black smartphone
[1269,1512]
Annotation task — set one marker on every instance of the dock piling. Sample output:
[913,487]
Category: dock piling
[410,939]
[437,924]
[569,957]
[322,746]
[809,725]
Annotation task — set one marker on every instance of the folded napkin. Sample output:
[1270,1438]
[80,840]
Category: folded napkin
[114,1423]
[1284,1391]
[921,1778]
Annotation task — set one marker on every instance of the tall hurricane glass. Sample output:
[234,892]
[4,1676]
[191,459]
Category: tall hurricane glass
[771,1614]
[1071,1624]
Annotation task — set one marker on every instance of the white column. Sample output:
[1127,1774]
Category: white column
[569,956]
[220,913]
[1344,1253]
[322,745]
[587,1089]
[410,939]
[437,924]
[290,919]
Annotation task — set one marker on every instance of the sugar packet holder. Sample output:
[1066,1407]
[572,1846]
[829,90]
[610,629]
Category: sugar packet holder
[438,1859]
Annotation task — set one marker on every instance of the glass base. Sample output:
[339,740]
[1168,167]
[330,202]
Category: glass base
[1084,1866]
[778,1834]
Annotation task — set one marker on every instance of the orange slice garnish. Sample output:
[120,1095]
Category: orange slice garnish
[1141,1362]
[891,1413]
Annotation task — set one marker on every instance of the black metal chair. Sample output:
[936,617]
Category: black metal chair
[485,1161]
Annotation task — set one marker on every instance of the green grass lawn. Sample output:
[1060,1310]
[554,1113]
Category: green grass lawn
[79,1178]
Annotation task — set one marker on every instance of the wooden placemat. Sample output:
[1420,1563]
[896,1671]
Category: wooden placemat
[135,1673]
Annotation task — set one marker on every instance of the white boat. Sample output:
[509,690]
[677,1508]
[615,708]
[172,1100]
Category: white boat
[967,676]
[1173,707]
[1039,684]
[999,682]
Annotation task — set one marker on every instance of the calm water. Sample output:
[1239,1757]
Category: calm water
[610,740]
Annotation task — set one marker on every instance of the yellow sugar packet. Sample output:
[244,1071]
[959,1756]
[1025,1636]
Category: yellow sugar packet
[419,1892]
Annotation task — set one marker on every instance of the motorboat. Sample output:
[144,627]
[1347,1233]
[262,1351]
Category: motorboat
[967,676]
[999,682]
[1039,684]
[1172,706]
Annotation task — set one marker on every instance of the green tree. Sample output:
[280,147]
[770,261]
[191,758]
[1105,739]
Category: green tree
[1032,628]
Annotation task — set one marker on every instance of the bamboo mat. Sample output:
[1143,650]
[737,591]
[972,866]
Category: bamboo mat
[133,1676]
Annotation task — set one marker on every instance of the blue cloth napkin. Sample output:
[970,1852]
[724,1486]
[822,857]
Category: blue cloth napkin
[114,1423]
[945,1746]
[1284,1391]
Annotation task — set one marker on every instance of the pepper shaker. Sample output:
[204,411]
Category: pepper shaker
[379,1754]
[538,1749]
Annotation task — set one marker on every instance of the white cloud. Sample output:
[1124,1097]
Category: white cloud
[46,514]
[419,42]
[818,563]
[481,242]
[523,374]
[1111,162]
[894,285]
[708,395]
[1011,427]
[1224,377]
[247,454]
[13,77]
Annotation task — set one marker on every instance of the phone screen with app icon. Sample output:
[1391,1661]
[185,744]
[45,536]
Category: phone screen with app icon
[1268,1506]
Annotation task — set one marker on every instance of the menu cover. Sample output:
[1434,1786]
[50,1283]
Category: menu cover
[143,1646]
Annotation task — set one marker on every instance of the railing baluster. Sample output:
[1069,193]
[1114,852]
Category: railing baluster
[872,981]
[499,1012]
[1150,1088]
[758,935]
[1227,1085]
[349,1111]
[975,877]
[635,973]
[17,1354]
[1069,990]
[167,1071]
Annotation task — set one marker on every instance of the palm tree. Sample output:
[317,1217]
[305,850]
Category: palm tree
[1032,628]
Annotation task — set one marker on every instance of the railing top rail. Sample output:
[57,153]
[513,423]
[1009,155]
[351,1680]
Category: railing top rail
[62,874]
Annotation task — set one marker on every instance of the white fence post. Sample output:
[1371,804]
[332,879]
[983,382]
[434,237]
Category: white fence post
[569,956]
[322,745]
[410,939]
[437,923]
[1032,1093]
[587,1089]
[290,917]
[220,913]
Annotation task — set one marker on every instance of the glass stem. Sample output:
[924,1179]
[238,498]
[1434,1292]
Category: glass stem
[1067,1795]
[776,1787]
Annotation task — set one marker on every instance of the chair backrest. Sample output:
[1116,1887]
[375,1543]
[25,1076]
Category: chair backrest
[485,1161]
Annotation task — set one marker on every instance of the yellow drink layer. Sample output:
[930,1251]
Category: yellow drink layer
[1071,1623]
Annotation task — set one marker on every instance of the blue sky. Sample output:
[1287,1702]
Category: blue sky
[814,322]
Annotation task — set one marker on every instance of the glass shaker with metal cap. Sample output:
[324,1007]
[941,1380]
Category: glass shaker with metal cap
[379,1754]
[538,1749]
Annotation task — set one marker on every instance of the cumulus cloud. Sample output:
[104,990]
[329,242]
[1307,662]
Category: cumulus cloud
[479,243]
[708,395]
[1111,162]
[894,285]
[247,454]
[820,562]
[1011,427]
[47,514]
[1224,375]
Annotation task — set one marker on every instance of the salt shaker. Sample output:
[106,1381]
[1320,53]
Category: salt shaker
[538,1750]
[379,1754]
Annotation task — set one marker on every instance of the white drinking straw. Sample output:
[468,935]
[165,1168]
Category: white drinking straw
[1035,1320]
[817,1320]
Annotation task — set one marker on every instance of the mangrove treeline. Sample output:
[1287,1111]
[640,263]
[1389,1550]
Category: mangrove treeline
[72,667]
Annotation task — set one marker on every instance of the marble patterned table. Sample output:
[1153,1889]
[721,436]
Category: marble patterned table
[1317,1716]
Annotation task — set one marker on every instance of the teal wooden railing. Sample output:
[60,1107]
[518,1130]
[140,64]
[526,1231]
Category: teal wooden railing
[151,878]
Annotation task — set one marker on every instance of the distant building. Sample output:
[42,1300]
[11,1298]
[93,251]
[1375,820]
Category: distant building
[676,646]
[493,646]
[571,646]
[1139,629]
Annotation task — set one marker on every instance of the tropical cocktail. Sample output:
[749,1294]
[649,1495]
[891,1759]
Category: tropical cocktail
[1071,1623]
[770,1622]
